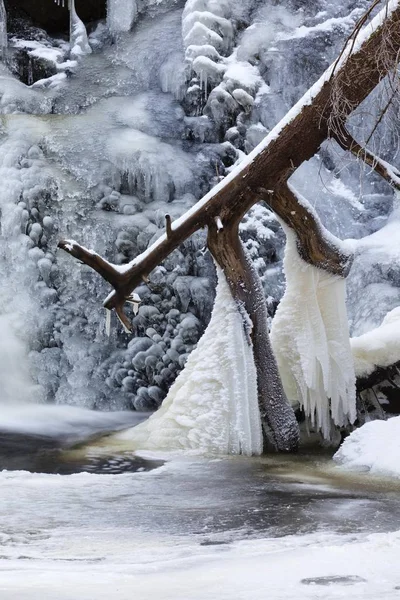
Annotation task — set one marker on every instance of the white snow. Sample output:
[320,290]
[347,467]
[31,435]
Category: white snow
[379,347]
[310,338]
[290,568]
[213,405]
[374,447]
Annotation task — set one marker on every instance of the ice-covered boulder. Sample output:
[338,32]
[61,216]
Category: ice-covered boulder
[374,448]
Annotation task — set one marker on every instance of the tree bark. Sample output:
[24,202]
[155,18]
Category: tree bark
[279,422]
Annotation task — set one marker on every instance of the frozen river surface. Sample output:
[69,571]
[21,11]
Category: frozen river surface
[198,529]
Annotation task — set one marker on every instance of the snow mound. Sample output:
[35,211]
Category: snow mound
[310,338]
[213,405]
[379,347]
[375,448]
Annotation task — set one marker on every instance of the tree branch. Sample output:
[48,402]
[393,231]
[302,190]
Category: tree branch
[315,244]
[362,65]
[346,141]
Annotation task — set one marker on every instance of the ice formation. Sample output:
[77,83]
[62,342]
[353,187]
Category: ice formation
[310,338]
[67,168]
[121,14]
[213,405]
[3,31]
[78,35]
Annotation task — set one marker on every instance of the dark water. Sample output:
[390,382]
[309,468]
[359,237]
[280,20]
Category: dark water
[217,500]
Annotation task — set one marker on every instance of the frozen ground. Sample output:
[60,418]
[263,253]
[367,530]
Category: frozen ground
[200,529]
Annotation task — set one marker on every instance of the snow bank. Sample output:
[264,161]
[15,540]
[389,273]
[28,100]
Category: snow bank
[310,338]
[374,447]
[213,405]
[379,347]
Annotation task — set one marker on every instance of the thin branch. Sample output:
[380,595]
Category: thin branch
[316,246]
[383,168]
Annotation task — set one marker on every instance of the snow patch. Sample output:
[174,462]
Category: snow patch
[379,347]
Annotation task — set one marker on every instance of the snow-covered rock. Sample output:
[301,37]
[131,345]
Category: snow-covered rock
[373,448]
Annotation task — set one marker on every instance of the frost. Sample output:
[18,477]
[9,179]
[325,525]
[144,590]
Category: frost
[213,405]
[310,338]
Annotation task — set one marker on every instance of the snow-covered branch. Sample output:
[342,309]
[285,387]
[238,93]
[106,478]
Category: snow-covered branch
[294,140]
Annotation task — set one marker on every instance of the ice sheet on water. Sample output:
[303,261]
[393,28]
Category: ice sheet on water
[64,425]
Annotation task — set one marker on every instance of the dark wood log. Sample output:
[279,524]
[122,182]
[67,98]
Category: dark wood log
[296,139]
[281,431]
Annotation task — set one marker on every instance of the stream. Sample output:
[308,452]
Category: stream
[70,516]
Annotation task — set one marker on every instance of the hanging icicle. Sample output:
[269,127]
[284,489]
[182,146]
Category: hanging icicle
[78,35]
[77,31]
[311,341]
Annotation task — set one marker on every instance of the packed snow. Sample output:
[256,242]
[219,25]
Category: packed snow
[213,406]
[379,347]
[310,338]
[373,448]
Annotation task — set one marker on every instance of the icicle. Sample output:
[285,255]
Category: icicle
[3,31]
[108,322]
[78,35]
[135,300]
[311,341]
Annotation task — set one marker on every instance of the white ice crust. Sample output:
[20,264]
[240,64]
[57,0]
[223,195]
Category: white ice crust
[213,406]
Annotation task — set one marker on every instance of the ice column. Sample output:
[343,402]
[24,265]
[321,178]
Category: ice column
[121,15]
[3,31]
[213,405]
[311,341]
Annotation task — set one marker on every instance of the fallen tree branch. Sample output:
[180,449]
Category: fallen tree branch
[294,140]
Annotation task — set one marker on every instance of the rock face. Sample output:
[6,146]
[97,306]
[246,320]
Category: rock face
[47,15]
